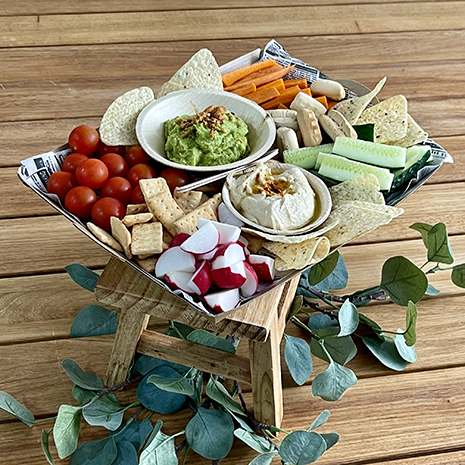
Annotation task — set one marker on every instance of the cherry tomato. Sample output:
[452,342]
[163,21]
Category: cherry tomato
[118,188]
[60,183]
[104,209]
[84,139]
[103,149]
[92,173]
[138,172]
[136,155]
[137,196]
[72,161]
[116,164]
[80,200]
[175,177]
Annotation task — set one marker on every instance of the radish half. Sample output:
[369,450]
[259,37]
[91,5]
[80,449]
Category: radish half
[223,301]
[174,259]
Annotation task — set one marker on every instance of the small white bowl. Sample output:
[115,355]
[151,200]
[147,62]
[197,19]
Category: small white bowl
[151,136]
[323,203]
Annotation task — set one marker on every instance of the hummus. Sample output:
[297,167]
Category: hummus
[281,199]
[208,138]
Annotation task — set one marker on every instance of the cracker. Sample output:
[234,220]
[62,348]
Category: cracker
[121,234]
[147,239]
[148,264]
[153,186]
[189,200]
[104,236]
[167,237]
[135,208]
[131,220]
[389,118]
[188,223]
[365,187]
[165,209]
[215,201]
[254,242]
[415,134]
[118,125]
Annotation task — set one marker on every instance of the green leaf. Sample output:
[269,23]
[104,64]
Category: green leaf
[458,275]
[331,439]
[321,321]
[320,420]
[145,364]
[178,330]
[135,432]
[333,382]
[100,452]
[337,279]
[106,412]
[403,281]
[423,229]
[216,391]
[348,318]
[296,306]
[44,442]
[302,447]
[322,269]
[341,349]
[410,334]
[431,290]
[174,382]
[160,450]
[93,320]
[11,405]
[79,377]
[438,245]
[264,459]
[406,352]
[369,322]
[241,422]
[210,433]
[254,441]
[82,395]
[83,276]
[204,338]
[127,454]
[66,429]
[386,352]
[298,358]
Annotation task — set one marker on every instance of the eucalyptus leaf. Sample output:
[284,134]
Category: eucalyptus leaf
[83,396]
[204,338]
[66,430]
[216,391]
[321,321]
[78,376]
[348,318]
[337,279]
[106,412]
[320,420]
[160,451]
[178,330]
[431,290]
[298,358]
[100,452]
[83,276]
[93,320]
[406,352]
[210,433]
[403,281]
[295,308]
[127,454]
[254,441]
[341,349]
[369,322]
[386,352]
[423,229]
[264,459]
[145,364]
[458,275]
[135,432]
[323,269]
[241,422]
[331,439]
[172,381]
[333,382]
[44,442]
[410,334]
[302,447]
[438,245]
[11,405]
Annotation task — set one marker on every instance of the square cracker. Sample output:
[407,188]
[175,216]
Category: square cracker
[153,186]
[188,223]
[147,239]
[131,220]
[135,208]
[121,234]
[165,209]
[189,200]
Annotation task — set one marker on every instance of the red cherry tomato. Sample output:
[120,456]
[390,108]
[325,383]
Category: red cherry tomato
[137,196]
[136,155]
[116,164]
[92,173]
[72,161]
[175,177]
[138,172]
[60,183]
[104,209]
[118,188]
[103,149]
[84,139]
[80,200]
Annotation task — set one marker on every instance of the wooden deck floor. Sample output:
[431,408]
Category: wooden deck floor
[63,63]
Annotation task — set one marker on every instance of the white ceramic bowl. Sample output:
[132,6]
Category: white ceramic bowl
[323,203]
[149,127]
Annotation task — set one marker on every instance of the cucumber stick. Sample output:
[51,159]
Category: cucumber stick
[388,156]
[305,157]
[343,169]
[417,157]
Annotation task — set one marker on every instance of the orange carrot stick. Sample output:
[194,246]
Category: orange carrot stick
[278,84]
[323,100]
[286,97]
[281,106]
[302,83]
[263,95]
[233,76]
[265,79]
[246,89]
[259,73]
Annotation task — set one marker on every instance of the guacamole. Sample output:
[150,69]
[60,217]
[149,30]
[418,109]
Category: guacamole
[208,138]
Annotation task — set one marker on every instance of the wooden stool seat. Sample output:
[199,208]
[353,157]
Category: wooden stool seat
[261,322]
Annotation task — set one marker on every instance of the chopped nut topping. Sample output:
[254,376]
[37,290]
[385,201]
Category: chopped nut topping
[269,185]
[211,117]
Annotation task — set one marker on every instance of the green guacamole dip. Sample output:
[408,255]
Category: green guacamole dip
[206,140]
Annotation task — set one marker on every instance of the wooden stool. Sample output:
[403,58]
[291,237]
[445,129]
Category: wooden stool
[261,322]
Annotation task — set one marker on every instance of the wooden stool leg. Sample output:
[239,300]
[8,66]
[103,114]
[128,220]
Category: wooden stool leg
[130,326]
[265,367]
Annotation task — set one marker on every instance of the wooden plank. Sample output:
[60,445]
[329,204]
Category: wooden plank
[451,458]
[138,26]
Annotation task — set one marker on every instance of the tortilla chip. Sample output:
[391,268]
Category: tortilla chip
[135,208]
[165,209]
[200,72]
[104,236]
[353,107]
[153,186]
[365,188]
[147,239]
[118,125]
[415,134]
[254,243]
[121,234]
[188,223]
[389,118]
[138,218]
[189,200]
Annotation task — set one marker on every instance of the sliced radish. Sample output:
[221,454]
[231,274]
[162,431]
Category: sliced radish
[179,239]
[223,301]
[180,280]
[228,233]
[249,288]
[204,240]
[174,259]
[201,280]
[242,241]
[225,216]
[229,277]
[207,256]
[228,254]
[263,266]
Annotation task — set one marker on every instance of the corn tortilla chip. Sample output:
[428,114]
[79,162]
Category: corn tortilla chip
[365,187]
[415,134]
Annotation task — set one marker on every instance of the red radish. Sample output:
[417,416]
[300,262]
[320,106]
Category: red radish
[223,301]
[204,240]
[228,254]
[227,232]
[179,239]
[201,280]
[227,217]
[174,259]
[249,288]
[179,280]
[207,256]
[263,266]
[229,277]
[242,241]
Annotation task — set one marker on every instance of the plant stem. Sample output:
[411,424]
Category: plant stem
[299,323]
[43,420]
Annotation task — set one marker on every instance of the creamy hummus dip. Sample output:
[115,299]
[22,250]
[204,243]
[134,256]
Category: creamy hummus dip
[276,198]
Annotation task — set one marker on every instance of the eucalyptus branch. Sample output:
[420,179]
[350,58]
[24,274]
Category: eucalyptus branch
[178,449]
[302,325]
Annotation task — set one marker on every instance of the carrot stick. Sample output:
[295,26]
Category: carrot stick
[302,83]
[246,89]
[253,76]
[278,84]
[323,100]
[263,95]
[233,76]
[265,79]
[281,106]
[286,97]
[331,104]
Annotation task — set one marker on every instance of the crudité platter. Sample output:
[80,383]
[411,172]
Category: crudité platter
[219,236]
